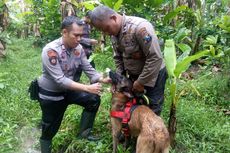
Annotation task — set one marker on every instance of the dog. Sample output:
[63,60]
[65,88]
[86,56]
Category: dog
[149,129]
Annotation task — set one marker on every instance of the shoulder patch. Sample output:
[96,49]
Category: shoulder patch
[52,57]
[77,52]
[145,35]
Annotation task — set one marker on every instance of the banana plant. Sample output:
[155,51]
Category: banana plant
[175,67]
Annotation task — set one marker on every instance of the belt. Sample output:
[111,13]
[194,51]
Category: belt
[50,93]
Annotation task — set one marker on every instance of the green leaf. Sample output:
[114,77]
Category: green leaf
[184,47]
[198,3]
[198,17]
[2,85]
[211,40]
[183,56]
[212,50]
[108,3]
[170,56]
[117,5]
[154,3]
[182,33]
[183,65]
[225,23]
[174,13]
[88,5]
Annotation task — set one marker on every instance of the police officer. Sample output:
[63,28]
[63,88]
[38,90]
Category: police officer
[60,60]
[136,52]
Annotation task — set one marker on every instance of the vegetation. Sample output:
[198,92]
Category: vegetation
[198,86]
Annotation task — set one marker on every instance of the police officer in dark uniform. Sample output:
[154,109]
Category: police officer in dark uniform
[87,44]
[60,60]
[136,52]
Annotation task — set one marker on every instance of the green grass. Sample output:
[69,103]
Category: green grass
[202,125]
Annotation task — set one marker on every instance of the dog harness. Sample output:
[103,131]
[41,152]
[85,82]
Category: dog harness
[125,115]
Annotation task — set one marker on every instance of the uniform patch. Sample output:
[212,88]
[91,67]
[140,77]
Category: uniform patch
[147,39]
[53,60]
[76,52]
[52,57]
[145,35]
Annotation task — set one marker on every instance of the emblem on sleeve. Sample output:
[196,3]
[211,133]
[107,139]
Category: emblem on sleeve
[52,57]
[145,35]
[147,39]
[76,52]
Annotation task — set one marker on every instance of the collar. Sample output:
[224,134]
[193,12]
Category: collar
[123,27]
[68,51]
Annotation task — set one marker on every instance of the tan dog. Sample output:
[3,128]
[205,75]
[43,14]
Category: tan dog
[152,135]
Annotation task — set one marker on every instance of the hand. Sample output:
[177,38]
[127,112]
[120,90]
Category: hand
[105,80]
[95,88]
[94,41]
[137,87]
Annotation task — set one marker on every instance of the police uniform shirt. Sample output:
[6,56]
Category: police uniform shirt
[137,51]
[60,65]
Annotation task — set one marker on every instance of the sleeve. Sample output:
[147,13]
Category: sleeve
[149,44]
[86,42]
[118,59]
[52,66]
[91,73]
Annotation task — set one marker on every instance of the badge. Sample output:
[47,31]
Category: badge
[147,39]
[53,60]
[76,52]
[145,35]
[52,57]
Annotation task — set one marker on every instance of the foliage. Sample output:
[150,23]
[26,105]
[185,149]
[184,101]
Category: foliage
[48,15]
[175,69]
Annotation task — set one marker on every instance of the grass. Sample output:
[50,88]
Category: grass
[202,125]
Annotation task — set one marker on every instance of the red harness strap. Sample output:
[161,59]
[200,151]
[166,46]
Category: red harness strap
[124,115]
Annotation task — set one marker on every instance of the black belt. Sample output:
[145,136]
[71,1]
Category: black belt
[50,93]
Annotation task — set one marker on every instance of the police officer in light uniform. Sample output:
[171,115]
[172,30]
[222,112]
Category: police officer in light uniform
[60,60]
[136,52]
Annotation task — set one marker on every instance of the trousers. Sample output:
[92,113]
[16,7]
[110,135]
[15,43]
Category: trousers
[53,111]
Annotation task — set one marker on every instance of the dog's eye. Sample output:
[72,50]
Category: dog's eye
[120,107]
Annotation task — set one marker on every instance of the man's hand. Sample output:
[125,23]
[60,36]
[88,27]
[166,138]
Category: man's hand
[105,80]
[137,87]
[93,41]
[95,88]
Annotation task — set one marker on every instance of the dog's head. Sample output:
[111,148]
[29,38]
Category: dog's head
[121,84]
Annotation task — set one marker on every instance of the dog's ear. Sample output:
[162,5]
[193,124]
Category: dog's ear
[113,77]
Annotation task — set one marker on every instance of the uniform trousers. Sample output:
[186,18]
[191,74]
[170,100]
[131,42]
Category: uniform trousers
[53,111]
[156,93]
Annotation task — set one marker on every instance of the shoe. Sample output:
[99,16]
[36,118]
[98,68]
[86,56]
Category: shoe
[46,146]
[86,125]
[87,135]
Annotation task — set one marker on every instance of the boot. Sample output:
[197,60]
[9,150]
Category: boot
[45,146]
[86,125]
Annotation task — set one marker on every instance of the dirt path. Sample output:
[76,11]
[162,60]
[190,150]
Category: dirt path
[29,138]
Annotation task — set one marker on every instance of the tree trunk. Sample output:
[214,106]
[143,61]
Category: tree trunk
[102,41]
[196,46]
[172,124]
[2,50]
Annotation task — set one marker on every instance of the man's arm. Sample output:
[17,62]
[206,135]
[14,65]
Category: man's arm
[88,41]
[118,59]
[51,64]
[148,42]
